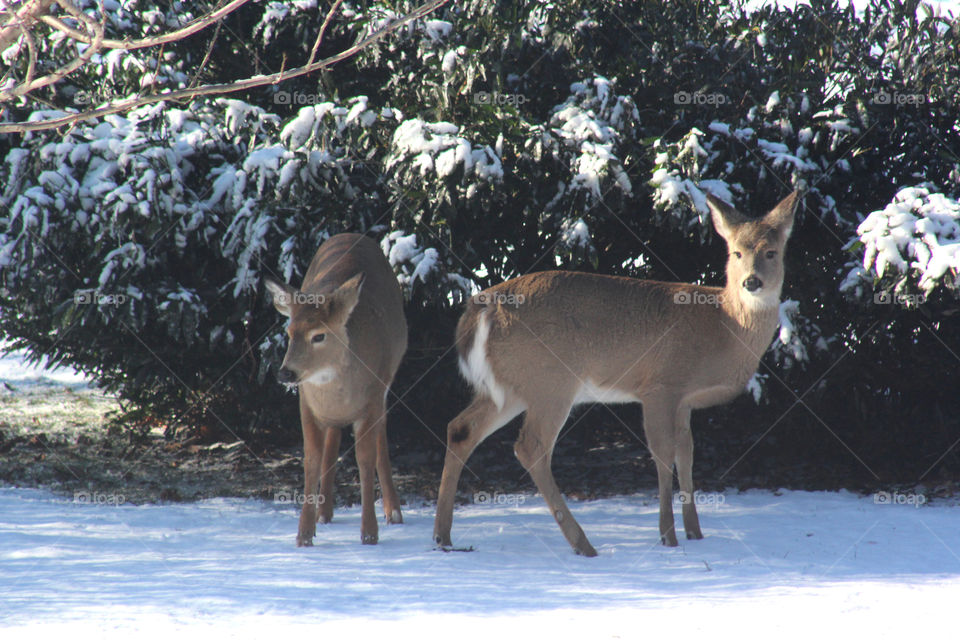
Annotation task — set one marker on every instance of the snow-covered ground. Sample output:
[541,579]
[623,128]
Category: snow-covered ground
[783,566]
[18,374]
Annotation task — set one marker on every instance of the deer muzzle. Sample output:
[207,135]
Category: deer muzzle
[286,376]
[753,283]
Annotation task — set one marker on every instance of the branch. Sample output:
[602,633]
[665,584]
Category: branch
[129,45]
[22,19]
[29,84]
[224,88]
[323,30]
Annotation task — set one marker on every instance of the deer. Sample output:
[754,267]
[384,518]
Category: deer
[347,335]
[547,341]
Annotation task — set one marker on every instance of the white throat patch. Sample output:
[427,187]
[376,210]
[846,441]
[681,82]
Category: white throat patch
[322,376]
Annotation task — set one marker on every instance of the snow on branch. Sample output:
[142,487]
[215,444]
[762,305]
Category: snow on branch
[784,142]
[588,126]
[222,88]
[914,240]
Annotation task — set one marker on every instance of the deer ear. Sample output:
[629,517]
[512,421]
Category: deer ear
[282,295]
[781,216]
[725,218]
[346,297]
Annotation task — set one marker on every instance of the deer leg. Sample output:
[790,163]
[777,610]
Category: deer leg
[391,502]
[366,433]
[313,437]
[691,523]
[658,423]
[464,433]
[331,450]
[534,449]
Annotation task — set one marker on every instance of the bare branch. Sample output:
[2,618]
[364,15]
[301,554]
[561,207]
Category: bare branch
[323,30]
[224,88]
[32,51]
[129,45]
[206,56]
[22,20]
[30,85]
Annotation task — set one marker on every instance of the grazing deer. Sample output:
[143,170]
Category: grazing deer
[547,341]
[347,336]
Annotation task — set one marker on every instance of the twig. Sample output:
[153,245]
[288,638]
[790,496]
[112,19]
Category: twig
[323,30]
[223,88]
[206,56]
[129,45]
[22,18]
[32,51]
[31,85]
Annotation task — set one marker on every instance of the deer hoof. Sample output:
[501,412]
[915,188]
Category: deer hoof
[395,517]
[368,538]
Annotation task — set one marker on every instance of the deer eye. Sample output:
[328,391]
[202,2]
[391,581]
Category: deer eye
[770,254]
[318,338]
[738,254]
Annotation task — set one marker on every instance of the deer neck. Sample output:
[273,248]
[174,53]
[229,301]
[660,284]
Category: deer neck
[751,316]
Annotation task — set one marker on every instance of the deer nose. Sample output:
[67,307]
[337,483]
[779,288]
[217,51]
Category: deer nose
[286,376]
[752,283]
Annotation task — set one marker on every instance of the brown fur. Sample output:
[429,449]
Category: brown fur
[556,339]
[351,296]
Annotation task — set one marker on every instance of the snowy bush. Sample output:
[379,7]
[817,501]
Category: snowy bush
[785,141]
[589,127]
[912,244]
[477,144]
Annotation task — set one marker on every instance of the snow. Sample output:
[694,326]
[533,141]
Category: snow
[949,8]
[783,565]
[772,101]
[755,386]
[449,63]
[438,147]
[403,252]
[918,233]
[787,335]
[299,130]
[425,265]
[17,373]
[437,29]
[591,123]
[576,233]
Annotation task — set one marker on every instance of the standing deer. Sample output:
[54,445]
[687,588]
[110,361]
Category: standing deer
[347,336]
[545,342]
